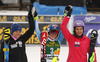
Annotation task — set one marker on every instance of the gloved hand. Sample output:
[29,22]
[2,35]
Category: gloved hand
[33,13]
[68,11]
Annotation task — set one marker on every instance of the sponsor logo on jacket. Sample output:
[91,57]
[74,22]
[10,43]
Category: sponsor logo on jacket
[17,44]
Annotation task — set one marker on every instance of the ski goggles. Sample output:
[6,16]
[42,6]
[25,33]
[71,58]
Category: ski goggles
[54,32]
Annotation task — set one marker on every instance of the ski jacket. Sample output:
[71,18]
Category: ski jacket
[17,51]
[78,47]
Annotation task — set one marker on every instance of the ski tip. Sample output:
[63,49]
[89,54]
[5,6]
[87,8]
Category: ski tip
[94,32]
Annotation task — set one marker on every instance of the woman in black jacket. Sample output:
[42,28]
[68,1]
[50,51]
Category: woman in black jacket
[17,41]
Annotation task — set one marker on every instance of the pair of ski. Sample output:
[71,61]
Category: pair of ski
[6,44]
[91,50]
[94,34]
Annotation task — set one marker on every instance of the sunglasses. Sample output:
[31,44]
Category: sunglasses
[54,31]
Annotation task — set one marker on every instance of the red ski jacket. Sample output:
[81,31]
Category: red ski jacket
[78,47]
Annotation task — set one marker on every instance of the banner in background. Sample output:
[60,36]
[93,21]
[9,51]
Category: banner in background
[88,18]
[24,18]
[91,22]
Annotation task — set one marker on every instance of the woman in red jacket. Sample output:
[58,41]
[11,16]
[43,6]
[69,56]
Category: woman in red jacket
[78,43]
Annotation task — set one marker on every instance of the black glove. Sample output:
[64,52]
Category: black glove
[32,12]
[68,11]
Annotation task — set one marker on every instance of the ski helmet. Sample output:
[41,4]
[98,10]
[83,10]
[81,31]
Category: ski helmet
[53,27]
[79,23]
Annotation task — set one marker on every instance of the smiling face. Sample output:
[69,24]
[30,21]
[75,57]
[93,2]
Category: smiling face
[79,30]
[53,36]
[16,34]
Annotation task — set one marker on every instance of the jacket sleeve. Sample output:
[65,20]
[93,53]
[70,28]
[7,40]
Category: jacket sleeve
[37,30]
[60,37]
[64,29]
[30,31]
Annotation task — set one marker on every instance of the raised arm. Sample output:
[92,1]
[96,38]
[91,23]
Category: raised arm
[31,29]
[65,31]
